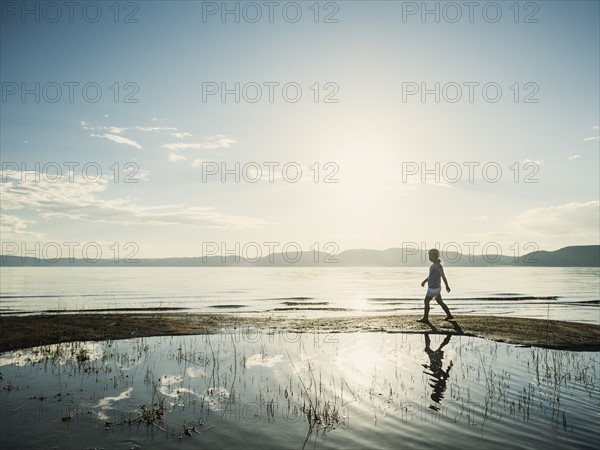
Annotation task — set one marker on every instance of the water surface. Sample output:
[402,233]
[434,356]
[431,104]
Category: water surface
[244,388]
[537,292]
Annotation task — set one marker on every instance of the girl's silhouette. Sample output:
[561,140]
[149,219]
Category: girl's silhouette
[434,286]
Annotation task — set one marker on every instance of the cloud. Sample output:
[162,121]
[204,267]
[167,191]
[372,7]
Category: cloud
[181,135]
[16,228]
[177,146]
[120,130]
[115,134]
[591,138]
[138,175]
[85,125]
[595,127]
[80,200]
[173,157]
[539,162]
[572,157]
[209,143]
[570,219]
[118,139]
[198,162]
[113,130]
[155,129]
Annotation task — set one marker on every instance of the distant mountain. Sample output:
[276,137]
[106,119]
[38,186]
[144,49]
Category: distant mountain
[575,256]
[403,257]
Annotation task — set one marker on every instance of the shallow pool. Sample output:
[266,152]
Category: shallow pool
[245,388]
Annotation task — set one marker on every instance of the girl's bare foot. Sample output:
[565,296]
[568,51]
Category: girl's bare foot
[423,320]
[448,317]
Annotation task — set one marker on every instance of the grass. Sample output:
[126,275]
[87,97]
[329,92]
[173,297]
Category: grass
[225,393]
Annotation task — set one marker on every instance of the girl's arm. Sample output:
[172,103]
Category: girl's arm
[445,280]
[425,281]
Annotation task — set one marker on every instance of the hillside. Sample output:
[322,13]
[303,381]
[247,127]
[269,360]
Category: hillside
[574,256]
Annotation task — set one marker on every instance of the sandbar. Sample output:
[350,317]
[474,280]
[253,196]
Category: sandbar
[23,331]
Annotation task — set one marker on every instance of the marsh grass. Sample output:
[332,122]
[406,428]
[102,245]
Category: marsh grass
[182,387]
[320,412]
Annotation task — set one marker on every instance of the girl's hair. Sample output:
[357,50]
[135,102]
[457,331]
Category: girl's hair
[435,253]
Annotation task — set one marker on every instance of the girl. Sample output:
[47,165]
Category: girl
[436,271]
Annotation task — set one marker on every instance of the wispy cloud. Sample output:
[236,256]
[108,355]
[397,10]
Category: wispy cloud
[14,227]
[112,130]
[198,162]
[120,130]
[572,157]
[219,141]
[539,162]
[570,219]
[181,135]
[181,146]
[593,138]
[118,139]
[115,134]
[155,129]
[81,200]
[173,157]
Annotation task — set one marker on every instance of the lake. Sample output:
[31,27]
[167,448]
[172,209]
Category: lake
[246,387]
[560,293]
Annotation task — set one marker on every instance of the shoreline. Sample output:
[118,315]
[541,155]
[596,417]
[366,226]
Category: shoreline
[20,332]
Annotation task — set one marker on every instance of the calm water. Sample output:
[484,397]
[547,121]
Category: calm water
[305,291]
[245,389]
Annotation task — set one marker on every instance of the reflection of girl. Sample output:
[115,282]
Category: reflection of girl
[440,376]
[436,272]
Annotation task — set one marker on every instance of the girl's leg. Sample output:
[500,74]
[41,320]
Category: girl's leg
[426,311]
[440,302]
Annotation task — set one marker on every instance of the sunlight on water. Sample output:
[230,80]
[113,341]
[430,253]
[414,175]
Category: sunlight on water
[551,292]
[285,390]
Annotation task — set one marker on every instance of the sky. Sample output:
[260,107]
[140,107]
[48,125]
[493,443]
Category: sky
[182,128]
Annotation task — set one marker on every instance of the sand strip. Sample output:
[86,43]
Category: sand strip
[33,330]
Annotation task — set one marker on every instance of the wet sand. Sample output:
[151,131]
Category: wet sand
[28,331]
